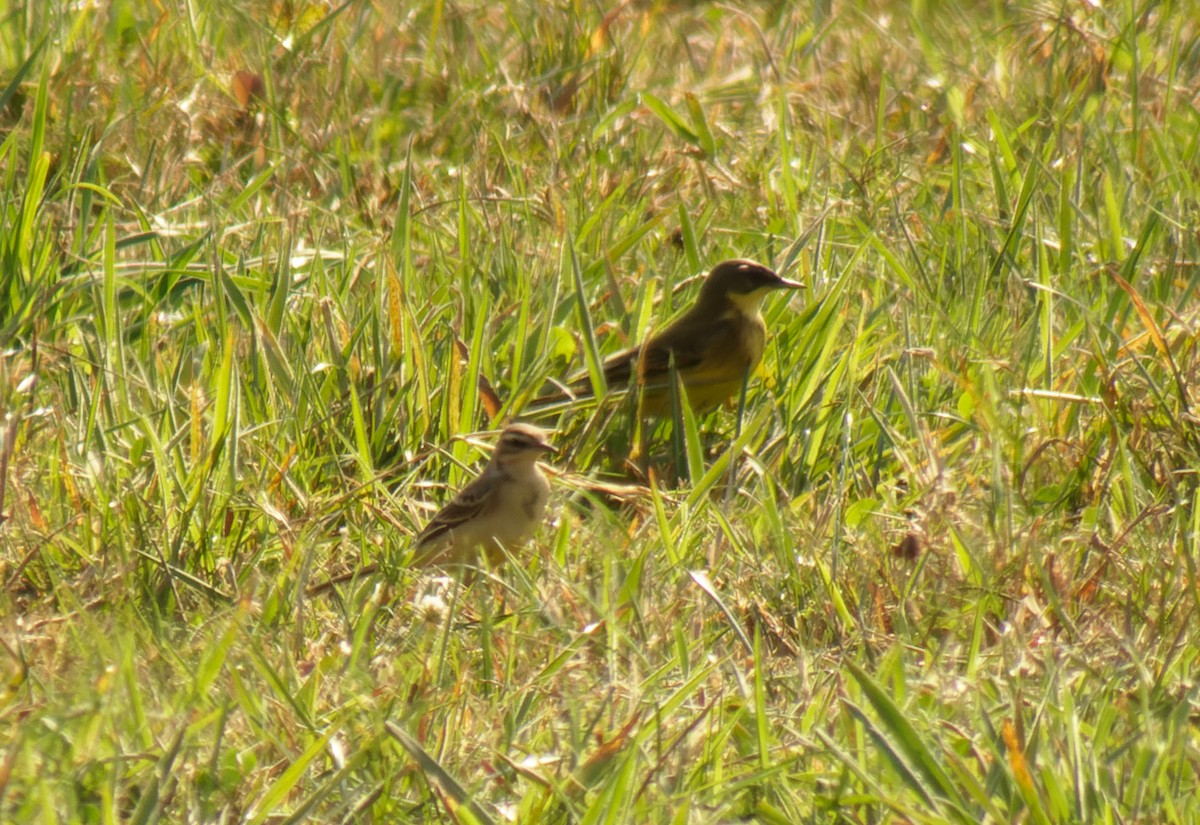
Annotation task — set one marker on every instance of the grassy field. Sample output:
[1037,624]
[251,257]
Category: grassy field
[941,566]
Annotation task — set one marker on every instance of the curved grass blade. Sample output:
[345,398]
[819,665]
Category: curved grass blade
[905,737]
[461,802]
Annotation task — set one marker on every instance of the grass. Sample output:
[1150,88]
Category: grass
[942,569]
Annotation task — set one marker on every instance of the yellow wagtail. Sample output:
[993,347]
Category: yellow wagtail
[497,511]
[714,345]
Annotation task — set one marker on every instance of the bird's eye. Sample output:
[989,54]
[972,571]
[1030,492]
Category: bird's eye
[522,442]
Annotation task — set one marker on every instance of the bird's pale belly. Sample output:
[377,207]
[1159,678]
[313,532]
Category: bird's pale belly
[511,522]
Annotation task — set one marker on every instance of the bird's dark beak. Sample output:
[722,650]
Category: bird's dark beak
[788,283]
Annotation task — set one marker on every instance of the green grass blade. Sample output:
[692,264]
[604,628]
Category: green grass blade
[909,742]
[267,805]
[464,807]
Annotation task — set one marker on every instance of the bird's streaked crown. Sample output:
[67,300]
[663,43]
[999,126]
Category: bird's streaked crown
[522,438]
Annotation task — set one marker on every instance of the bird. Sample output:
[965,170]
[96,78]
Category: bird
[714,345]
[496,512]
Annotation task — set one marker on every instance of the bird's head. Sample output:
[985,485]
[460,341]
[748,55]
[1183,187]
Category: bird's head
[743,282]
[521,444]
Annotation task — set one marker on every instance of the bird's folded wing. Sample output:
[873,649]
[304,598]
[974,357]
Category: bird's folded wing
[695,351]
[475,500]
[712,345]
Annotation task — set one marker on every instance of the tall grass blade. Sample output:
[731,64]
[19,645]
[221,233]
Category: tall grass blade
[463,806]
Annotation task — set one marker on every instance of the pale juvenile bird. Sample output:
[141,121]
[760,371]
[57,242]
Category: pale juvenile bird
[715,344]
[496,512]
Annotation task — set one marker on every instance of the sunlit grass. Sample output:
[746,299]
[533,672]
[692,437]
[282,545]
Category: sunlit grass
[254,262]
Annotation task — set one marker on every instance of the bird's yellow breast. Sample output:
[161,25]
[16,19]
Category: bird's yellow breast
[733,349]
